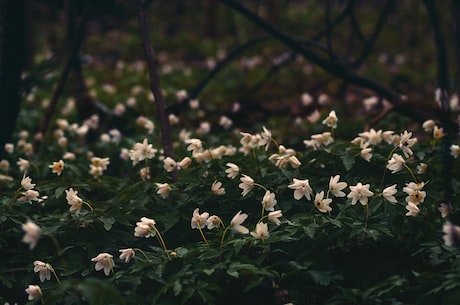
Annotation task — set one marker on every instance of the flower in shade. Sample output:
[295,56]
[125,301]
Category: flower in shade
[454,150]
[217,188]
[274,216]
[412,209]
[406,142]
[163,189]
[336,187]
[388,193]
[23,164]
[232,170]
[236,222]
[321,203]
[301,188]
[32,234]
[421,168]
[199,220]
[73,200]
[142,151]
[261,231]
[33,292]
[360,193]
[366,154]
[444,209]
[145,228]
[247,184]
[103,261]
[44,270]
[127,254]
[269,201]
[214,221]
[396,163]
[331,120]
[26,183]
[169,164]
[451,233]
[414,192]
[438,132]
[428,125]
[57,167]
[184,163]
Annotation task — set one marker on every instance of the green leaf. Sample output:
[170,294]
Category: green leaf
[348,161]
[233,273]
[324,278]
[108,222]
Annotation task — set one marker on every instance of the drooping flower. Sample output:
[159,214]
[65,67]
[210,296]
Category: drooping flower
[336,187]
[127,254]
[232,170]
[236,222]
[57,167]
[73,200]
[269,201]
[451,233]
[388,193]
[412,209]
[217,189]
[33,291]
[44,270]
[145,228]
[274,216]
[199,220]
[163,189]
[321,203]
[30,195]
[396,163]
[301,188]
[32,234]
[247,184]
[360,193]
[103,261]
[26,183]
[261,231]
[331,120]
[214,221]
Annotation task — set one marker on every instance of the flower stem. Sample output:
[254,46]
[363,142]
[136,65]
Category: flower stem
[222,239]
[161,241]
[202,235]
[55,275]
[88,205]
[143,253]
[367,215]
[410,171]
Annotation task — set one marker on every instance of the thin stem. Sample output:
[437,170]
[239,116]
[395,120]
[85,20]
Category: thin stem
[55,275]
[261,186]
[222,238]
[385,169]
[367,215]
[410,171]
[161,241]
[143,253]
[202,235]
[88,205]
[13,200]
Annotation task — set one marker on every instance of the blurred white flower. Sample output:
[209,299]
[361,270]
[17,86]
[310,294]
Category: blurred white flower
[217,188]
[412,209]
[396,163]
[26,183]
[236,222]
[73,200]
[273,216]
[169,164]
[451,234]
[331,120]
[145,228]
[247,184]
[103,261]
[163,189]
[33,292]
[232,170]
[336,187]
[32,234]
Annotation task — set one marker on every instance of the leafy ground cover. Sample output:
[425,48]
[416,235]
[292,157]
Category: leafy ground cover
[277,209]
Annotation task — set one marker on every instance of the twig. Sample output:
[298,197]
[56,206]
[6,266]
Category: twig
[155,86]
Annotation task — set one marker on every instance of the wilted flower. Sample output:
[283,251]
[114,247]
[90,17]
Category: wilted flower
[163,189]
[336,187]
[127,254]
[33,292]
[321,203]
[247,184]
[199,220]
[388,193]
[331,120]
[145,228]
[261,231]
[269,201]
[217,188]
[44,270]
[103,261]
[32,234]
[232,170]
[73,200]
[273,216]
[236,222]
[396,163]
[360,193]
[57,167]
[302,188]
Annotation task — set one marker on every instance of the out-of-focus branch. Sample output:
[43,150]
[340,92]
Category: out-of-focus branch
[155,86]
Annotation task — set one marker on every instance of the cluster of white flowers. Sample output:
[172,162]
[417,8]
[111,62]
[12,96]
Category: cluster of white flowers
[98,166]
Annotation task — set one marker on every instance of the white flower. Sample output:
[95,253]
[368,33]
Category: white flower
[232,170]
[142,151]
[57,167]
[406,142]
[26,183]
[438,132]
[454,150]
[273,216]
[214,221]
[184,163]
[421,168]
[321,203]
[428,125]
[144,173]
[217,188]
[103,261]
[163,189]
[169,164]
[236,222]
[360,193]
[388,193]
[100,162]
[372,137]
[396,163]
[73,200]
[414,192]
[127,254]
[33,292]
[32,234]
[199,220]
[269,201]
[444,209]
[247,184]
[145,228]
[331,120]
[366,154]
[225,122]
[194,145]
[9,148]
[266,138]
[294,162]
[30,195]
[44,270]
[451,233]
[412,209]
[261,231]
[302,188]
[336,187]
